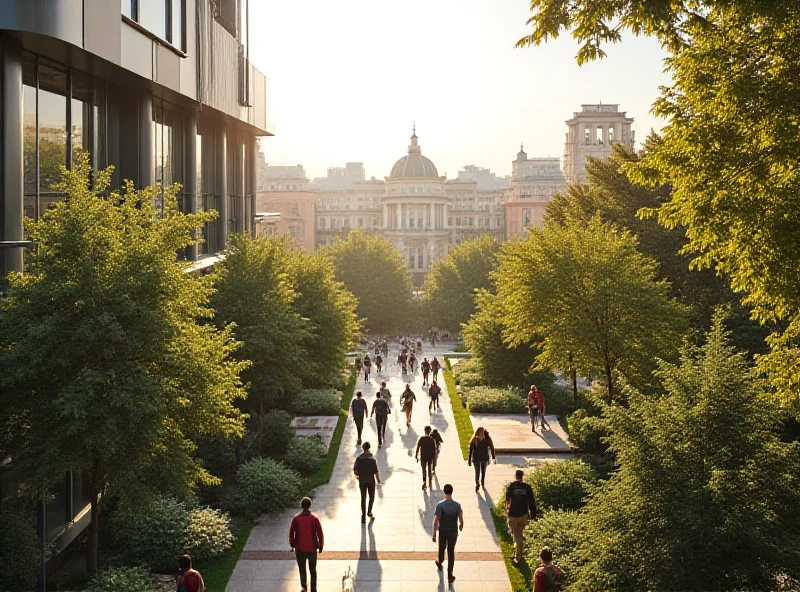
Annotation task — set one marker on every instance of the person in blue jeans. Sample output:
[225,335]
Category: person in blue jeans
[481,449]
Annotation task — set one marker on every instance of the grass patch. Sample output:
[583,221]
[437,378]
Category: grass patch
[461,414]
[217,573]
[323,475]
[520,576]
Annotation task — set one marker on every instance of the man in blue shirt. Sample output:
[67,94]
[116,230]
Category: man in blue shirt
[448,522]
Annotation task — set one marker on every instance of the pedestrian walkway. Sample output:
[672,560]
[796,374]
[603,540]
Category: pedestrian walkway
[512,434]
[395,551]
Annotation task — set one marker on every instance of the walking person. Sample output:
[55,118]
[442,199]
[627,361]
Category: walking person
[378,362]
[437,437]
[306,539]
[434,393]
[548,576]
[403,361]
[435,368]
[407,400]
[357,366]
[542,420]
[448,522]
[426,369]
[425,455]
[412,363]
[520,510]
[533,405]
[367,368]
[189,580]
[359,409]
[366,471]
[381,411]
[481,448]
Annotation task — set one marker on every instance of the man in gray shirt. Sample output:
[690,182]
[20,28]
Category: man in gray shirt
[359,409]
[449,521]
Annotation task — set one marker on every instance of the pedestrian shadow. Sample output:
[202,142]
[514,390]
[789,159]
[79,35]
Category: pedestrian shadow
[409,439]
[484,495]
[427,513]
[368,567]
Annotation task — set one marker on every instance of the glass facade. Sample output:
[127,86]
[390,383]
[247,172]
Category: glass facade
[165,19]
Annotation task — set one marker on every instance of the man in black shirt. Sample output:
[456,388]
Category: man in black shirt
[366,471]
[426,448]
[434,393]
[520,509]
[380,409]
[359,409]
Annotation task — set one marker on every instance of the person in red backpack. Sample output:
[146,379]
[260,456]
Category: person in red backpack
[189,580]
[306,539]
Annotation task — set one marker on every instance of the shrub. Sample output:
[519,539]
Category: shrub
[561,485]
[561,532]
[19,549]
[468,373]
[305,454]
[129,579]
[586,432]
[484,399]
[218,455]
[316,402]
[208,534]
[265,486]
[269,434]
[558,399]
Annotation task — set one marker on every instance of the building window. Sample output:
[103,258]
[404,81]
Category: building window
[361,222]
[294,209]
[419,259]
[587,136]
[526,218]
[610,134]
[294,231]
[163,18]
[599,135]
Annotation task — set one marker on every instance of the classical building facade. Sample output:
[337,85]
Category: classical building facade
[356,205]
[284,190]
[474,212]
[591,132]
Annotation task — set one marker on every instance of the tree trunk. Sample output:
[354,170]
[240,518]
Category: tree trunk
[94,525]
[574,376]
[609,378]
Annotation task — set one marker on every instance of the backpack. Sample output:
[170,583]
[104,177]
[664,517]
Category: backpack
[554,579]
[189,582]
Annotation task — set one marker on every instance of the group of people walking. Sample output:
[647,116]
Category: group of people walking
[536,409]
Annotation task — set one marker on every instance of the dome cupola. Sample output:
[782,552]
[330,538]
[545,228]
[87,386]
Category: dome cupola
[414,165]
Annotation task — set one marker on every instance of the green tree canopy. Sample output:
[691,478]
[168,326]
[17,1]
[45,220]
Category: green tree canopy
[450,287]
[254,291]
[104,367]
[731,143]
[706,496]
[374,271]
[593,299]
[330,308]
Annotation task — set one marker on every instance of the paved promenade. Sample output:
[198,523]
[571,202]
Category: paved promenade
[395,551]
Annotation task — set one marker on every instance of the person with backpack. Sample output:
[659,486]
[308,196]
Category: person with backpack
[520,510]
[426,369]
[407,400]
[367,367]
[381,411]
[306,540]
[548,577]
[189,580]
[359,409]
[480,447]
[533,406]
[426,448]
[434,393]
[365,468]
[448,521]
[437,437]
[435,368]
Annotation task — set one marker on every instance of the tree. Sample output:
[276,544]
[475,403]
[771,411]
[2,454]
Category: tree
[254,292]
[593,299]
[705,496]
[450,287]
[330,309]
[730,145]
[609,193]
[106,367]
[374,271]
[500,364]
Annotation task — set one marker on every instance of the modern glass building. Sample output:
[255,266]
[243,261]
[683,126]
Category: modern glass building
[162,89]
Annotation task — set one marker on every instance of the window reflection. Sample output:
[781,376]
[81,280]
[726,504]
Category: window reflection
[29,148]
[52,110]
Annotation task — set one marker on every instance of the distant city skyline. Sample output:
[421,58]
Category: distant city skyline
[362,73]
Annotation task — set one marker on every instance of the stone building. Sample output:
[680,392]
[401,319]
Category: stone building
[591,132]
[356,206]
[474,212]
[284,190]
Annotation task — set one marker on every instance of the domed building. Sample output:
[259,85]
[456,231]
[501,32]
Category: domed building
[415,211]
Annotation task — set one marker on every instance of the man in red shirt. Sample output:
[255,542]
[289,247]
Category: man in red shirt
[305,539]
[533,405]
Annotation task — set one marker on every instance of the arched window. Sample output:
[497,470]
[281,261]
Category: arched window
[610,134]
[599,135]
[587,136]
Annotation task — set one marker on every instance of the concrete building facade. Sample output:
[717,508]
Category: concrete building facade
[591,132]
[285,190]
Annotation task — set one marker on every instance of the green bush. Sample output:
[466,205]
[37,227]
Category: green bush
[483,399]
[561,484]
[218,455]
[468,373]
[19,549]
[316,402]
[558,399]
[154,536]
[129,579]
[561,532]
[586,432]
[268,434]
[305,454]
[208,534]
[265,487]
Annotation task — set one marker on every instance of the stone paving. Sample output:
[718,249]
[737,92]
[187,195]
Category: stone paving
[512,434]
[394,552]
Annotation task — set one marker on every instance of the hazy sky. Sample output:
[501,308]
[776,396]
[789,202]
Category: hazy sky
[347,79]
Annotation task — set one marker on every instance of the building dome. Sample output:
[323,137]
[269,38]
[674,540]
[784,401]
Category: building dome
[414,165]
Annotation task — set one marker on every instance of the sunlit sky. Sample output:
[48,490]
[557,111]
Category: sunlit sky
[347,79]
